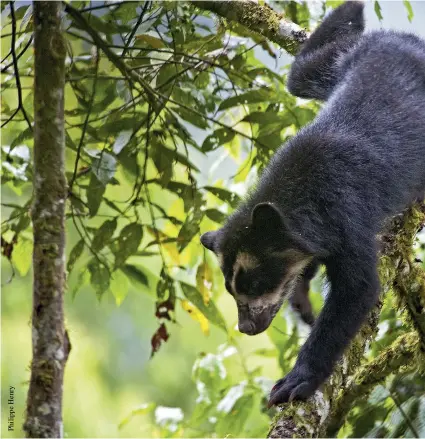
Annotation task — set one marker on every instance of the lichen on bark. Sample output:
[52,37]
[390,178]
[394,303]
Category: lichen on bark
[261,19]
[50,343]
[401,352]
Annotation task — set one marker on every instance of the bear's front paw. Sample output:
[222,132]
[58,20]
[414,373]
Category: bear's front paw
[299,384]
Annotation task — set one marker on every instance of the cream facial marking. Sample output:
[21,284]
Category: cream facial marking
[220,259]
[245,261]
[272,301]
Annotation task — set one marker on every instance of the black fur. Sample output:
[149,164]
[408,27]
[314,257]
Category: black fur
[315,71]
[335,183]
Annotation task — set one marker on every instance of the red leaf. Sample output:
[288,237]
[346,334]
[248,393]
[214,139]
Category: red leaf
[160,336]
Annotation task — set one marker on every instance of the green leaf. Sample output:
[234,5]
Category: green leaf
[202,80]
[76,252]
[409,9]
[103,235]
[69,142]
[378,10]
[224,195]
[121,141]
[271,353]
[187,193]
[105,27]
[190,227]
[302,115]
[219,137]
[82,279]
[174,156]
[216,216]
[142,410]
[135,275]
[150,41]
[24,220]
[232,423]
[195,118]
[263,117]
[128,160]
[250,97]
[26,19]
[163,163]
[286,344]
[117,124]
[421,417]
[22,255]
[119,286]
[126,11]
[166,78]
[208,309]
[94,194]
[278,332]
[104,166]
[26,134]
[113,206]
[99,278]
[128,242]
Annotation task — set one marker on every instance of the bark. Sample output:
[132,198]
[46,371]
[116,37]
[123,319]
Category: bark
[50,344]
[261,19]
[409,277]
[401,353]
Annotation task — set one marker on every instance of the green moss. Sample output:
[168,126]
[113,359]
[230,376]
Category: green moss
[258,18]
[297,419]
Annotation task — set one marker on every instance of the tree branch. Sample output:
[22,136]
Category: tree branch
[402,352]
[409,277]
[261,19]
[81,21]
[50,344]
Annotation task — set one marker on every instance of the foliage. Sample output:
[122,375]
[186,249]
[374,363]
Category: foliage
[166,125]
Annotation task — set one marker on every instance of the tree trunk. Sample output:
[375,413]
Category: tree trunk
[50,343]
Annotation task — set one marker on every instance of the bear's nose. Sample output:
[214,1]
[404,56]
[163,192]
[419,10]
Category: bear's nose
[247,327]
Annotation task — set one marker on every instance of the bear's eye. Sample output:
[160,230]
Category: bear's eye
[242,281]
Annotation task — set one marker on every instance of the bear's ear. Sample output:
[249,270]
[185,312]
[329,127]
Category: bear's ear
[209,239]
[266,216]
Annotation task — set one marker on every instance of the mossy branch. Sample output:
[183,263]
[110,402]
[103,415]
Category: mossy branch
[261,19]
[402,352]
[409,277]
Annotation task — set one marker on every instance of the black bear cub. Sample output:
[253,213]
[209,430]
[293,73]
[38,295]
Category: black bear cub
[326,193]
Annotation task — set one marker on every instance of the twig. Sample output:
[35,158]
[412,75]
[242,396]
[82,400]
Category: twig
[134,30]
[5,68]
[113,57]
[89,109]
[103,6]
[15,66]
